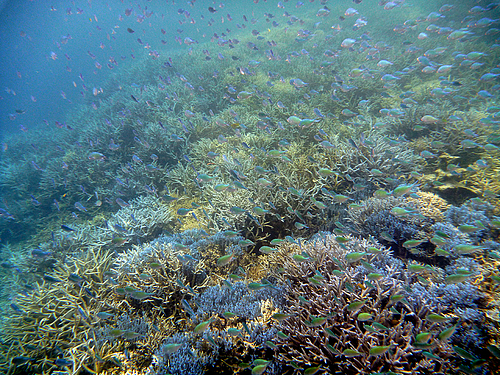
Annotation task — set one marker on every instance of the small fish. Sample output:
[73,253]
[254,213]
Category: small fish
[62,362]
[351,353]
[230,233]
[300,225]
[313,370]
[183,211]
[224,260]
[447,333]
[140,295]
[436,318]
[74,278]
[355,306]
[80,207]
[280,316]
[51,279]
[362,317]
[324,172]
[20,360]
[104,315]
[412,243]
[339,198]
[130,335]
[379,350]
[202,327]
[456,278]
[256,286]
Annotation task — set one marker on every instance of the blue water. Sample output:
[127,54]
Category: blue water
[32,30]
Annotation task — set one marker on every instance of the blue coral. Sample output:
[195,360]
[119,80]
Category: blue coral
[238,300]
[190,359]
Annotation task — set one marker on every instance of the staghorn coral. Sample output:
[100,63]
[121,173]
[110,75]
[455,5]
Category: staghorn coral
[185,360]
[226,338]
[464,301]
[144,217]
[375,218]
[430,205]
[327,295]
[392,158]
[58,317]
[285,166]
[141,219]
[186,252]
[140,293]
[237,300]
[175,269]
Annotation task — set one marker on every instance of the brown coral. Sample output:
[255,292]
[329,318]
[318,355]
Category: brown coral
[350,316]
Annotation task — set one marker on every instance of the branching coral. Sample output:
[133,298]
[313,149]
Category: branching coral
[58,319]
[241,322]
[375,218]
[429,205]
[282,159]
[87,312]
[346,310]
[484,181]
[144,217]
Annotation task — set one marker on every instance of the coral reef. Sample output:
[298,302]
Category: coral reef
[289,206]
[57,318]
[429,205]
[354,308]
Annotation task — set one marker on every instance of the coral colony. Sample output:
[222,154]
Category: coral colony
[305,199]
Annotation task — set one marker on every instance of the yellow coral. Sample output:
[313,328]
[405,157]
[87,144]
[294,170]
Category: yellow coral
[267,310]
[188,221]
[485,182]
[430,205]
[59,311]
